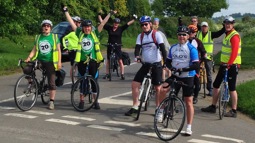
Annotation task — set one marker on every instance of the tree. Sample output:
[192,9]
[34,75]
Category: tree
[201,8]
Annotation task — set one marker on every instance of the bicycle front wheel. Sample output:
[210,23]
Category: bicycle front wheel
[84,93]
[25,92]
[143,96]
[173,118]
[222,102]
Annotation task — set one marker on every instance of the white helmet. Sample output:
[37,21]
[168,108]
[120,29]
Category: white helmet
[76,18]
[47,22]
[229,19]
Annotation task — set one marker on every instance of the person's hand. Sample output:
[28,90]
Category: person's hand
[100,12]
[112,12]
[28,59]
[138,59]
[134,16]
[65,9]
[59,65]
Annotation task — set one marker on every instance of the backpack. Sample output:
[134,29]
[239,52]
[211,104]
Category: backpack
[153,37]
[125,58]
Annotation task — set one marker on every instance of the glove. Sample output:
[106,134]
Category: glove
[65,9]
[112,12]
[134,16]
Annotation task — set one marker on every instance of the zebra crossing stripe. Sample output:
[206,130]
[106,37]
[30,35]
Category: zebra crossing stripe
[105,128]
[63,121]
[151,134]
[7,108]
[223,138]
[21,115]
[79,118]
[40,112]
[122,123]
[200,141]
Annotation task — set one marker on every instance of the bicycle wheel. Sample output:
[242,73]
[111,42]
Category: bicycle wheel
[151,94]
[143,93]
[25,92]
[222,102]
[173,118]
[74,73]
[44,91]
[111,67]
[116,67]
[84,93]
[204,82]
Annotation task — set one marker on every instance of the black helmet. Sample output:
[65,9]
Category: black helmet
[60,77]
[183,29]
[86,23]
[116,20]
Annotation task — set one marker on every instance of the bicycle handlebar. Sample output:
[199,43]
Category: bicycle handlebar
[172,80]
[112,45]
[22,61]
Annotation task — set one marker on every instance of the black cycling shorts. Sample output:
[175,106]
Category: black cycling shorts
[188,89]
[117,51]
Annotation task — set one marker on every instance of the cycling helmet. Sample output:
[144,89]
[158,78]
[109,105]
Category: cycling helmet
[86,22]
[60,77]
[229,19]
[76,18]
[116,20]
[192,28]
[183,29]
[145,19]
[46,22]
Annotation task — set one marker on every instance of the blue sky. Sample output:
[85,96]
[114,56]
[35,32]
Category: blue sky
[236,6]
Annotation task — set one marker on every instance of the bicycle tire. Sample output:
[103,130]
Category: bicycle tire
[111,68]
[80,86]
[116,67]
[147,102]
[143,91]
[45,93]
[25,94]
[222,103]
[170,127]
[74,73]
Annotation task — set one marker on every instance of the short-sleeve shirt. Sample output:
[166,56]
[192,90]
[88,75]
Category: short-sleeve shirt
[115,36]
[182,56]
[45,46]
[87,44]
[150,51]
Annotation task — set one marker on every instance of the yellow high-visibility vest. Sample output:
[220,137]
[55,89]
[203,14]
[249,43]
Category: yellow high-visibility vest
[207,42]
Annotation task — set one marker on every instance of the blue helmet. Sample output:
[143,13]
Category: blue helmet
[145,19]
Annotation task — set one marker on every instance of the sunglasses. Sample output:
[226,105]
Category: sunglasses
[145,24]
[182,34]
[46,25]
[194,21]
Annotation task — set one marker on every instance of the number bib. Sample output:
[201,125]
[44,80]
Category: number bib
[45,47]
[87,45]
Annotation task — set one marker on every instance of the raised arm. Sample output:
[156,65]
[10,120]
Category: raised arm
[101,26]
[69,18]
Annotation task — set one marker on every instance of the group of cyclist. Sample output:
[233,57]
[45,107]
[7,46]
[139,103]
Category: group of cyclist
[195,42]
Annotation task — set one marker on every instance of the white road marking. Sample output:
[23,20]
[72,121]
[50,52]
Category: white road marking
[151,134]
[200,141]
[223,138]
[109,100]
[123,123]
[6,100]
[21,115]
[40,112]
[80,118]
[7,108]
[63,121]
[105,128]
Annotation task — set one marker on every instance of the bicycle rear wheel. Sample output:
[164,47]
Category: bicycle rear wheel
[84,93]
[173,118]
[111,68]
[74,73]
[45,93]
[142,98]
[25,92]
[222,102]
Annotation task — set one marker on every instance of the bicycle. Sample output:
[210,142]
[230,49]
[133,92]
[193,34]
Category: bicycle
[113,61]
[87,88]
[146,90]
[173,112]
[28,87]
[74,74]
[203,76]
[224,94]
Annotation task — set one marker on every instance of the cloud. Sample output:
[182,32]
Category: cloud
[237,6]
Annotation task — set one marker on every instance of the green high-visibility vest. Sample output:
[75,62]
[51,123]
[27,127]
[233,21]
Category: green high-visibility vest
[227,49]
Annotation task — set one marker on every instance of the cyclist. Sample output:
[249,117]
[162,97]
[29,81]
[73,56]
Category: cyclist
[47,50]
[115,35]
[70,40]
[165,72]
[206,36]
[88,46]
[194,21]
[230,55]
[202,53]
[183,57]
[151,53]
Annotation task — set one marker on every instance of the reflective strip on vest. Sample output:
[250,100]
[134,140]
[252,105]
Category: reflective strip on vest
[227,49]
[55,50]
[207,42]
[99,56]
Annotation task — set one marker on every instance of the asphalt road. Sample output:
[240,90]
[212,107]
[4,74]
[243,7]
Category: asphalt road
[108,125]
